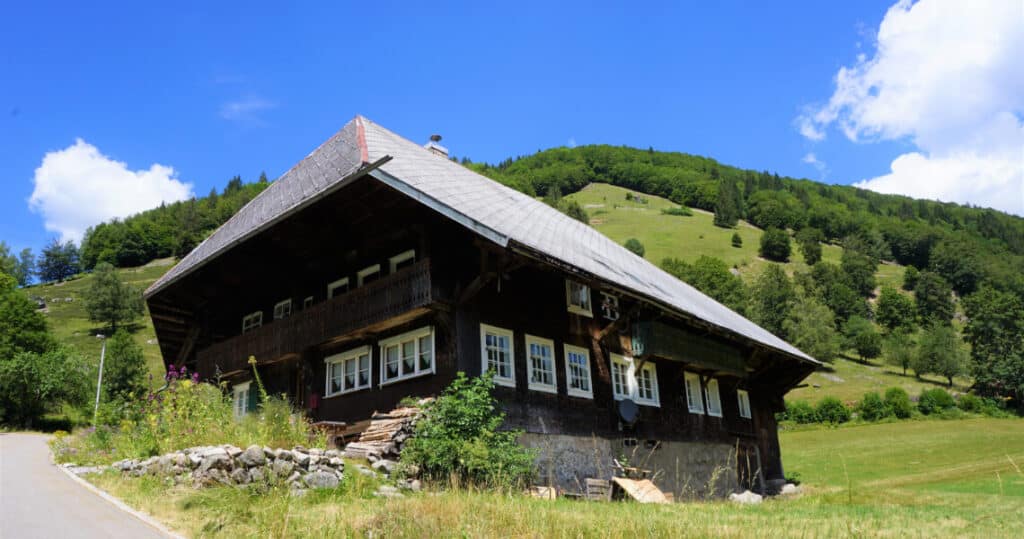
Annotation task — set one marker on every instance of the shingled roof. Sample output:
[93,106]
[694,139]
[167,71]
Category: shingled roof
[499,213]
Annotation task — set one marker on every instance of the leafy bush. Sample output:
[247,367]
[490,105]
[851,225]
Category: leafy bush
[635,247]
[898,402]
[775,245]
[737,241]
[872,408]
[681,211]
[458,439]
[801,412]
[832,410]
[970,403]
[934,401]
[30,383]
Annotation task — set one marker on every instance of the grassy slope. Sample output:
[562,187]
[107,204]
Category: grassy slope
[70,322]
[936,478]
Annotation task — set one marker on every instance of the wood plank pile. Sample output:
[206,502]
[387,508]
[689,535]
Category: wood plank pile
[387,433]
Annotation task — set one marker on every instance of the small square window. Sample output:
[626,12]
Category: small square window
[252,321]
[577,372]
[337,288]
[402,260]
[307,303]
[577,297]
[368,275]
[541,360]
[609,306]
[283,309]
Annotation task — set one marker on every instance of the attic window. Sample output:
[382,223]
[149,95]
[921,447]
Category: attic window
[368,275]
[402,260]
[694,402]
[713,398]
[252,321]
[577,297]
[609,306]
[744,402]
[283,309]
[337,288]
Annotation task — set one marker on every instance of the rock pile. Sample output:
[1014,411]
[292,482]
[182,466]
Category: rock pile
[300,468]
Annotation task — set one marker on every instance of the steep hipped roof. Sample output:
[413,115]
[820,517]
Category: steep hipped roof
[497,212]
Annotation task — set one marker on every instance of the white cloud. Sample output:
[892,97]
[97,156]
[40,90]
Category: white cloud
[78,187]
[946,76]
[818,164]
[245,109]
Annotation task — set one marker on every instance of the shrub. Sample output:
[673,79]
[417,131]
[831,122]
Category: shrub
[681,211]
[737,241]
[970,403]
[801,412]
[458,439]
[898,402]
[872,408]
[832,410]
[775,245]
[635,247]
[935,401]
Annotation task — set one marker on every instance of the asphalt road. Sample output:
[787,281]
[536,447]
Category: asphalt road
[39,500]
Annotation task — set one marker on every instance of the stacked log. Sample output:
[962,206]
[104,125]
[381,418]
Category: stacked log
[386,435]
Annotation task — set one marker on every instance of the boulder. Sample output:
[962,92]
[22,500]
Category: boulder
[232,451]
[283,454]
[321,480]
[388,491]
[252,456]
[215,462]
[365,471]
[241,476]
[746,498]
[789,488]
[282,468]
[385,465]
[302,459]
[256,475]
[336,462]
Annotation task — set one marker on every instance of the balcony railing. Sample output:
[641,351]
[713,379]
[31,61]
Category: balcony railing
[388,297]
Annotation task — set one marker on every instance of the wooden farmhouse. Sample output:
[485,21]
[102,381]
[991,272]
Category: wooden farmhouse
[377,268]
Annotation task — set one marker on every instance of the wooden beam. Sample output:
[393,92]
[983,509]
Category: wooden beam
[188,345]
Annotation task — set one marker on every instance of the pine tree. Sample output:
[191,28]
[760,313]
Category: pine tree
[111,300]
[727,206]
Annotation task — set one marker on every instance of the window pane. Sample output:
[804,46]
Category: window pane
[364,370]
[391,362]
[408,357]
[426,353]
[350,373]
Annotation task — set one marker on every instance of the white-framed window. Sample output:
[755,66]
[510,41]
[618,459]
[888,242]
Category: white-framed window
[630,382]
[577,372]
[348,371]
[240,398]
[694,402]
[307,303]
[744,401]
[577,297]
[282,309]
[407,355]
[497,352]
[252,321]
[540,354]
[337,288]
[367,275]
[609,306]
[713,398]
[401,260]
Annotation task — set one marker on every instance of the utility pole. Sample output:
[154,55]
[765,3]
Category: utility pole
[99,381]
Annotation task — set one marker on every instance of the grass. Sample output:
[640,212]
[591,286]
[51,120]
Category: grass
[922,479]
[70,323]
[849,380]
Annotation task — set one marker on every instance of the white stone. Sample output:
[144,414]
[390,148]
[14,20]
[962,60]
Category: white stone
[746,497]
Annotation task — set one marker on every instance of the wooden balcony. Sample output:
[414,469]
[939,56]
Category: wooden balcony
[406,293]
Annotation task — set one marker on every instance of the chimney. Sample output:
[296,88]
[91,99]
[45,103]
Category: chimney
[436,148]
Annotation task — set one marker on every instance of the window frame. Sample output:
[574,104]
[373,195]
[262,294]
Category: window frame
[399,258]
[283,303]
[743,400]
[255,315]
[687,378]
[415,335]
[578,309]
[612,300]
[501,332]
[307,302]
[537,386]
[710,383]
[341,359]
[362,274]
[569,390]
[240,407]
[334,285]
[632,383]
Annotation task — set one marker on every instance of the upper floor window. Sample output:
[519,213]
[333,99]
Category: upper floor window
[744,402]
[402,260]
[577,372]
[694,402]
[497,352]
[632,382]
[348,371]
[541,354]
[240,399]
[307,303]
[609,306]
[367,275]
[283,309]
[577,297]
[713,398]
[337,288]
[252,321]
[407,355]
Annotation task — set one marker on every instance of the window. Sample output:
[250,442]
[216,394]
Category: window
[693,399]
[577,372]
[307,303]
[348,371]
[402,260]
[630,382]
[609,306]
[714,400]
[407,355]
[368,275]
[577,296]
[283,309]
[496,353]
[240,399]
[541,356]
[744,402]
[337,288]
[252,321]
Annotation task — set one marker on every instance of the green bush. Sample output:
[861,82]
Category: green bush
[832,410]
[970,403]
[680,211]
[458,439]
[737,241]
[898,402]
[801,412]
[872,408]
[635,247]
[935,401]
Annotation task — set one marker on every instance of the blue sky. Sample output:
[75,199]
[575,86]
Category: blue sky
[235,89]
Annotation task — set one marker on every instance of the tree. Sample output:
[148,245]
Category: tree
[809,241]
[830,284]
[940,352]
[635,246]
[860,271]
[775,245]
[895,310]
[22,326]
[957,262]
[771,299]
[933,297]
[9,263]
[58,261]
[124,376]
[110,300]
[712,277]
[574,210]
[737,241]
[26,267]
[910,277]
[995,326]
[32,382]
[811,328]
[727,205]
[899,350]
[860,335]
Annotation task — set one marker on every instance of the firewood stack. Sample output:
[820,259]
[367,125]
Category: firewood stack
[387,433]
